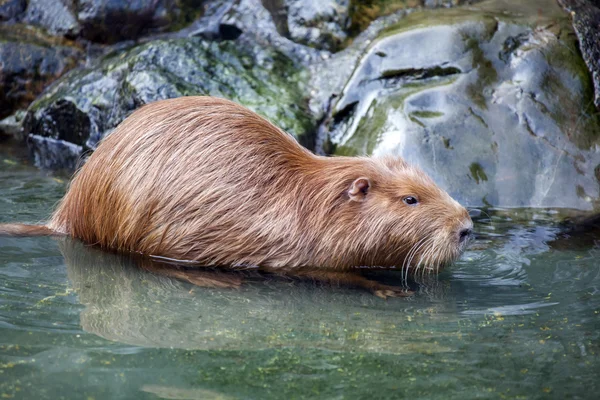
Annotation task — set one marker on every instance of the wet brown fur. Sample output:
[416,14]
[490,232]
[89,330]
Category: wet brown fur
[25,230]
[207,180]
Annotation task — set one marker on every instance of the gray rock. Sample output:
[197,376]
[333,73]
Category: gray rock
[248,20]
[110,21]
[586,22]
[251,20]
[57,16]
[11,125]
[88,103]
[30,61]
[318,23]
[494,104]
[441,3]
[11,9]
[105,21]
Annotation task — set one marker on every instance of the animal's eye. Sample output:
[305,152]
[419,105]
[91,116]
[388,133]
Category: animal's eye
[410,200]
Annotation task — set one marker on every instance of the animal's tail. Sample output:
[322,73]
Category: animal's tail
[25,230]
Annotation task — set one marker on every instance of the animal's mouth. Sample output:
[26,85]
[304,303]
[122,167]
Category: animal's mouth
[465,235]
[464,243]
[431,255]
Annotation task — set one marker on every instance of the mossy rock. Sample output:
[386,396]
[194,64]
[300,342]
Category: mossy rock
[495,103]
[88,103]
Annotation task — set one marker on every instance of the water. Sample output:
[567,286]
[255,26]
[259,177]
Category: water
[517,317]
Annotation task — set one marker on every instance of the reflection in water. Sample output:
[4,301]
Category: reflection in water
[517,316]
[145,303]
[166,392]
[582,233]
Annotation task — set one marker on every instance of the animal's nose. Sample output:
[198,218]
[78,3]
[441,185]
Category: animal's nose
[465,234]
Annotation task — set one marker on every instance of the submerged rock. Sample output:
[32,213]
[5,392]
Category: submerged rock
[78,111]
[29,61]
[494,103]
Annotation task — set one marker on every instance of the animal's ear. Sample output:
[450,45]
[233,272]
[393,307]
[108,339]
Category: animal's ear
[359,189]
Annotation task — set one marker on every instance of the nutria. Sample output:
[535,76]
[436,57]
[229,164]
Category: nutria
[206,180]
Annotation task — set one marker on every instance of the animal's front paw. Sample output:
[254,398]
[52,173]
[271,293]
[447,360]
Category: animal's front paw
[390,291]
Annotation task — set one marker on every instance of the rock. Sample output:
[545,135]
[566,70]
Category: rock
[57,16]
[105,21]
[110,21]
[11,126]
[88,103]
[11,9]
[328,24]
[251,20]
[317,23]
[586,22]
[364,12]
[30,61]
[493,103]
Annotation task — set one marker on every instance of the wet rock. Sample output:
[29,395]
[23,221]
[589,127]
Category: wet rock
[88,103]
[30,61]
[111,21]
[253,21]
[250,20]
[364,12]
[319,24]
[10,126]
[105,21]
[57,16]
[493,103]
[11,9]
[586,22]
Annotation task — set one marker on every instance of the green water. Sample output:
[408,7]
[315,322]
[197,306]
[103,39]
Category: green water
[517,317]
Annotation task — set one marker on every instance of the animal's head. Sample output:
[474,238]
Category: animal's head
[413,224]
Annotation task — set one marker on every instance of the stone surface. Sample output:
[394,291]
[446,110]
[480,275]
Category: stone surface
[10,126]
[364,12]
[586,22]
[110,21]
[88,103]
[250,19]
[103,21]
[493,102]
[317,23]
[56,16]
[11,9]
[30,61]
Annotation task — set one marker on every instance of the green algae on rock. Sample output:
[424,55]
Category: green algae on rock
[505,86]
[96,99]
